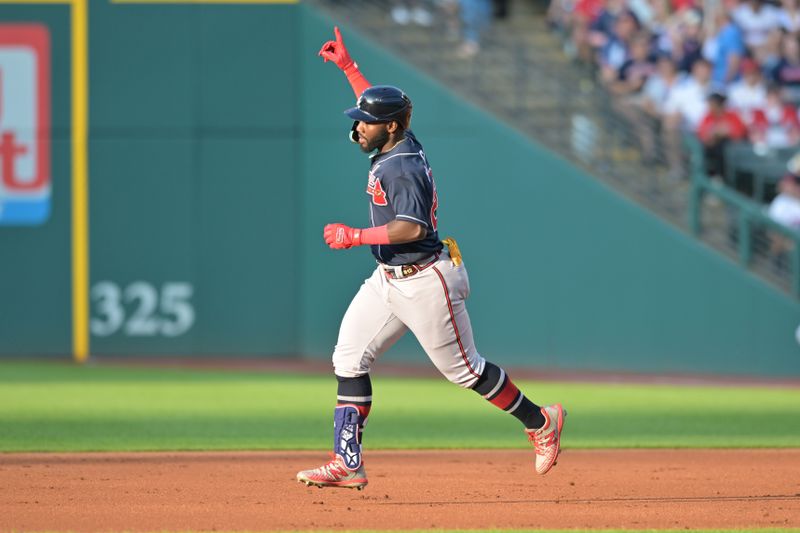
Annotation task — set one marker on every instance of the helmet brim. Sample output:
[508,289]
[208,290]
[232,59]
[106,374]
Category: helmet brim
[361,115]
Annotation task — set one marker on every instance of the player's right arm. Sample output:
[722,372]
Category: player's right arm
[336,51]
[338,236]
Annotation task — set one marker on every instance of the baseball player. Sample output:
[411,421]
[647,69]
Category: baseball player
[418,285]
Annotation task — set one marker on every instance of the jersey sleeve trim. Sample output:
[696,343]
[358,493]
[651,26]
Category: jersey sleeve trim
[409,217]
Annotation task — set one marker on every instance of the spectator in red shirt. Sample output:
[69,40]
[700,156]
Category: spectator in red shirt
[718,127]
[776,124]
[680,5]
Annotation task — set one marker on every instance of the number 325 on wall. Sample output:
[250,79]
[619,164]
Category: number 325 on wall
[141,310]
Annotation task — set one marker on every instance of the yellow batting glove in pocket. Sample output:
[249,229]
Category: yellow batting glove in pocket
[455,253]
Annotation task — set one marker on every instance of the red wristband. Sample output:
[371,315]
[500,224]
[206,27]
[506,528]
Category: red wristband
[379,235]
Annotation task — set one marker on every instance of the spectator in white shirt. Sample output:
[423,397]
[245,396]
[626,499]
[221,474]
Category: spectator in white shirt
[776,124]
[687,102]
[646,109]
[790,16]
[749,93]
[760,23]
[684,109]
[658,87]
[785,210]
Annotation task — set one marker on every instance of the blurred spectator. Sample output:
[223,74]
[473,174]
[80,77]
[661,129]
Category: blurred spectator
[775,124]
[687,101]
[686,39]
[632,74]
[680,5]
[643,10]
[602,28]
[657,88]
[659,25]
[586,12]
[749,93]
[616,51]
[724,49]
[476,15]
[407,11]
[449,12]
[759,21]
[717,129]
[790,16]
[786,72]
[584,15]
[785,208]
[684,109]
[644,109]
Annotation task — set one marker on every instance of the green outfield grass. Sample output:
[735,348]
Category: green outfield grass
[60,407]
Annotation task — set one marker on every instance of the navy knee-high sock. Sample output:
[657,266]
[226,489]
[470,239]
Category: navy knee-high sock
[495,385]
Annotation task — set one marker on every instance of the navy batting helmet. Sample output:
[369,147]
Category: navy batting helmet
[380,103]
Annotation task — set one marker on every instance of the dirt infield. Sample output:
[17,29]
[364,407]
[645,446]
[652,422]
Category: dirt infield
[256,491]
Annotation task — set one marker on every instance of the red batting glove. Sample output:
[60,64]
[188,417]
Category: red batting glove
[335,51]
[340,237]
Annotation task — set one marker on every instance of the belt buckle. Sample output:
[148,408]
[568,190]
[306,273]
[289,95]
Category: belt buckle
[391,272]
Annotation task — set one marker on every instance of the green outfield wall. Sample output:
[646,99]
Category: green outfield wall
[217,152]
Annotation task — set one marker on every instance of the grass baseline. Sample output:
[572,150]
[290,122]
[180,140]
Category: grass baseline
[64,408]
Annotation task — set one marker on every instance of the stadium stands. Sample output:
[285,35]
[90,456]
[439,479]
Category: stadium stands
[614,86]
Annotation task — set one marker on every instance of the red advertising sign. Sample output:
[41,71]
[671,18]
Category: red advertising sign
[24,124]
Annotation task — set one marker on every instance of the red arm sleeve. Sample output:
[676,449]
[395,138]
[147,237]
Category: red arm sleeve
[357,80]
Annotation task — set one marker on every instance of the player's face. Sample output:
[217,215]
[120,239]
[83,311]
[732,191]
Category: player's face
[372,136]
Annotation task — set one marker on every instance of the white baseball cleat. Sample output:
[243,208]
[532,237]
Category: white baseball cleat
[547,439]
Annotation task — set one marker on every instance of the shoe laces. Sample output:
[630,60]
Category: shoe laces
[541,440]
[332,468]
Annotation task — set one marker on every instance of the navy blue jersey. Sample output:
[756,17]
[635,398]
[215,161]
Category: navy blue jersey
[401,187]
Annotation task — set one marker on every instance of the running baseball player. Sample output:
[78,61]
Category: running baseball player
[419,285]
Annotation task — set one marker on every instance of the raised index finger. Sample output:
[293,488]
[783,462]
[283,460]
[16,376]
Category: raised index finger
[338,35]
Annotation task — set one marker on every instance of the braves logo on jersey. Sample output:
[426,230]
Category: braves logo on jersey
[375,190]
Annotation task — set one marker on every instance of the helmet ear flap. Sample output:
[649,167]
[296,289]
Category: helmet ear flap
[353,133]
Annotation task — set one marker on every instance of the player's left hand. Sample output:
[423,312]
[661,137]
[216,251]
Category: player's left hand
[340,237]
[335,51]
